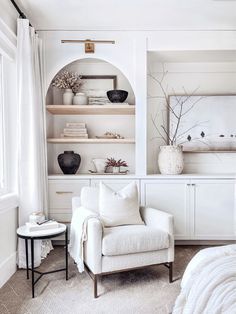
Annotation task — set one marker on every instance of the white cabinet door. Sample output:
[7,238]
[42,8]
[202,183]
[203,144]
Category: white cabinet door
[171,196]
[60,196]
[214,209]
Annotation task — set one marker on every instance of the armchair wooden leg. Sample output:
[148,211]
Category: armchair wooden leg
[95,286]
[171,272]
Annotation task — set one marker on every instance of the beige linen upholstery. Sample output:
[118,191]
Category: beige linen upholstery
[125,247]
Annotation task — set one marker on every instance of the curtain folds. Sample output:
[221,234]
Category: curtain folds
[31,129]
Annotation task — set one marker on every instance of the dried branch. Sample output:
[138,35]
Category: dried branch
[158,131]
[177,110]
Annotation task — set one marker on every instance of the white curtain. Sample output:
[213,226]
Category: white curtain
[31,129]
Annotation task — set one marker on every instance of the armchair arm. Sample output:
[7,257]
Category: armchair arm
[162,220]
[157,218]
[93,245]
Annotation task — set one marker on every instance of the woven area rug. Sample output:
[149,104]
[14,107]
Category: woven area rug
[140,291]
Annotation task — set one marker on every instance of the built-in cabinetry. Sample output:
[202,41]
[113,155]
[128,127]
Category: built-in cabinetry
[203,207]
[60,195]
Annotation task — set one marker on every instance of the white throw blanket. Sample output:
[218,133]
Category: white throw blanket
[78,234]
[209,283]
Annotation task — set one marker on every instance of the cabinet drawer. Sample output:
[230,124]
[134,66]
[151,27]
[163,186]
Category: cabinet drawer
[61,192]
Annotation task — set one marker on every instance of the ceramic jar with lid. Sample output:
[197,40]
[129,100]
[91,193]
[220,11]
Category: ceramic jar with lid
[80,99]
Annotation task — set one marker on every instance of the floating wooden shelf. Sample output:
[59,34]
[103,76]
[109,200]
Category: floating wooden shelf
[91,140]
[209,151]
[111,109]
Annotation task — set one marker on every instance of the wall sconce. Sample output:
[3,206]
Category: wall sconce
[89,45]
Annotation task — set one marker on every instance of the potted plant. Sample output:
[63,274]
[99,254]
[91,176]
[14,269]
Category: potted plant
[115,164]
[170,158]
[67,80]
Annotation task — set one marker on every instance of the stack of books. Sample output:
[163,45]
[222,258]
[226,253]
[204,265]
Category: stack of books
[33,226]
[98,100]
[75,129]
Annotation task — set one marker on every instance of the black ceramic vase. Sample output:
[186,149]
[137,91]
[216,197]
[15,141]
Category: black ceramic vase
[69,162]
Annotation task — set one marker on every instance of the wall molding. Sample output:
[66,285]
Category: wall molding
[7,268]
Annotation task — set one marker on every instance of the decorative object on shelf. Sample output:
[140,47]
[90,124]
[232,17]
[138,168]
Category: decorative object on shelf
[110,135]
[36,217]
[170,159]
[100,165]
[117,95]
[75,130]
[115,164]
[67,97]
[69,162]
[80,99]
[67,80]
[76,88]
[109,173]
[98,101]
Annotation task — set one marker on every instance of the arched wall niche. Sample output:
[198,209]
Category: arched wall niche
[91,66]
[96,125]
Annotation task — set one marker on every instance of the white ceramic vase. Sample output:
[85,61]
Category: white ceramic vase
[80,99]
[68,97]
[171,160]
[100,164]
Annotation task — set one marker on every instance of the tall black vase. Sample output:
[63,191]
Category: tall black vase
[69,162]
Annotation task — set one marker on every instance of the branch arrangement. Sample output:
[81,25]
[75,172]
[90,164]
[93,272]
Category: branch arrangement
[66,79]
[178,110]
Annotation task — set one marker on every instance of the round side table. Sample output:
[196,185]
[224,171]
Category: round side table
[23,233]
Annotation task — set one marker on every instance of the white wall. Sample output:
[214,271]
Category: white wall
[9,202]
[8,14]
[8,225]
[210,78]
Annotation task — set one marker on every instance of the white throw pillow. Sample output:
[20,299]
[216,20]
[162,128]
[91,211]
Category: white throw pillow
[119,208]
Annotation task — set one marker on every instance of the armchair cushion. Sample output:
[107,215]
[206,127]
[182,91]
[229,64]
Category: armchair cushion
[133,239]
[119,208]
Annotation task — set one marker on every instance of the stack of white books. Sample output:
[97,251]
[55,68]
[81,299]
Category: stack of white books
[33,226]
[98,100]
[75,129]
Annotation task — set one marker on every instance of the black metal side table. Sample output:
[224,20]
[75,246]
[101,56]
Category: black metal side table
[23,233]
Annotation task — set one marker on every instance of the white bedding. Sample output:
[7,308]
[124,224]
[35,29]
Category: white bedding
[209,283]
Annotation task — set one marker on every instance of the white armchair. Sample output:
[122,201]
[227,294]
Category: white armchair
[122,248]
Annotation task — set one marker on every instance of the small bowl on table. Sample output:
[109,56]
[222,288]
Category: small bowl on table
[117,95]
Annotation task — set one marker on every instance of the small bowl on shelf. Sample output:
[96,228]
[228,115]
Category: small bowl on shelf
[117,95]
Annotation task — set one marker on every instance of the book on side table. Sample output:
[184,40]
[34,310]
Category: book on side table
[33,226]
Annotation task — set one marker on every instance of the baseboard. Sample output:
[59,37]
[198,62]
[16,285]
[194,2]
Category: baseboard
[204,242]
[7,269]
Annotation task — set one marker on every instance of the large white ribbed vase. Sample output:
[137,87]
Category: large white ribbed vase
[171,160]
